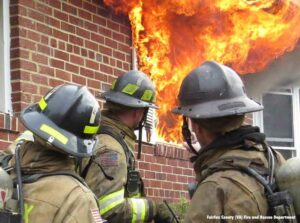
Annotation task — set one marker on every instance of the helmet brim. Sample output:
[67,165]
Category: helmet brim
[123,99]
[219,108]
[63,140]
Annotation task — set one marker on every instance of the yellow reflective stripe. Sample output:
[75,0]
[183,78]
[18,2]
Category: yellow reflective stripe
[42,104]
[130,89]
[113,84]
[147,95]
[90,129]
[54,133]
[138,210]
[110,201]
[27,209]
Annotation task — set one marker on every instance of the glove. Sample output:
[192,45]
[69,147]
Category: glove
[163,214]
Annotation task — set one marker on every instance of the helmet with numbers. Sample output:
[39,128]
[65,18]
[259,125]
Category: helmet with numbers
[67,117]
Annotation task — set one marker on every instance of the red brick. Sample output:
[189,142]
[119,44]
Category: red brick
[52,22]
[155,167]
[91,45]
[4,145]
[77,3]
[60,15]
[60,35]
[78,79]
[94,84]
[61,55]
[105,32]
[119,55]
[14,20]
[119,64]
[87,72]
[91,55]
[27,44]
[91,64]
[112,25]
[106,69]
[44,9]
[69,9]
[76,60]
[105,50]
[84,14]
[19,52]
[99,20]
[28,88]
[45,40]
[55,4]
[97,38]
[61,45]
[1,121]
[39,79]
[63,75]
[49,71]
[35,15]
[111,43]
[56,82]
[57,63]
[83,33]
[76,40]
[39,58]
[90,7]
[67,27]
[28,23]
[90,26]
[45,29]
[118,37]
[100,76]
[76,21]
[72,68]
[43,49]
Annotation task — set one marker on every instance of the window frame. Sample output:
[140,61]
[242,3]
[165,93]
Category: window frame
[258,118]
[5,80]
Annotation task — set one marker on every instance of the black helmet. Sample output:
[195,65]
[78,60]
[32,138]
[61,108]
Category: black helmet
[213,90]
[132,89]
[67,117]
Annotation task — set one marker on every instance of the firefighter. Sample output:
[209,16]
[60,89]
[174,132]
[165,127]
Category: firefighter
[213,99]
[62,128]
[111,173]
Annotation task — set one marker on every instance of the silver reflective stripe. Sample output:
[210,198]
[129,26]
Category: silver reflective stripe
[138,210]
[110,201]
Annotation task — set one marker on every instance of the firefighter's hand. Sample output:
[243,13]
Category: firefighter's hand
[163,215]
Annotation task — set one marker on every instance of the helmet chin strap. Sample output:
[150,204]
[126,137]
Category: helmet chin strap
[186,133]
[140,128]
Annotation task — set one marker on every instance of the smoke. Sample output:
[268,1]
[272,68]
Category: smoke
[283,72]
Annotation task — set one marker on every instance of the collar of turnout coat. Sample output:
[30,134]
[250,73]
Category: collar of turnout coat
[119,127]
[36,158]
[245,142]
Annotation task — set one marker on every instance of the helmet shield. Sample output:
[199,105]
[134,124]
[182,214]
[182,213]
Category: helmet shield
[67,117]
[213,90]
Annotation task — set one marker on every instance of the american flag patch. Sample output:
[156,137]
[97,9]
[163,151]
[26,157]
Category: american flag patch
[96,216]
[108,159]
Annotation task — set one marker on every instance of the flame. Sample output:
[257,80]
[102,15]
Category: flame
[175,36]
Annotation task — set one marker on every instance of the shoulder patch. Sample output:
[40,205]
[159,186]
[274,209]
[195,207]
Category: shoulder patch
[107,158]
[96,216]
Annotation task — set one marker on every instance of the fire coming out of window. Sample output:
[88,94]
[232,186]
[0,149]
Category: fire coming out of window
[172,37]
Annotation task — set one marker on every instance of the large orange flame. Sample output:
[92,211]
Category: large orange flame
[174,36]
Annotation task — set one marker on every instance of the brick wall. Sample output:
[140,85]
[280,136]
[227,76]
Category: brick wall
[80,41]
